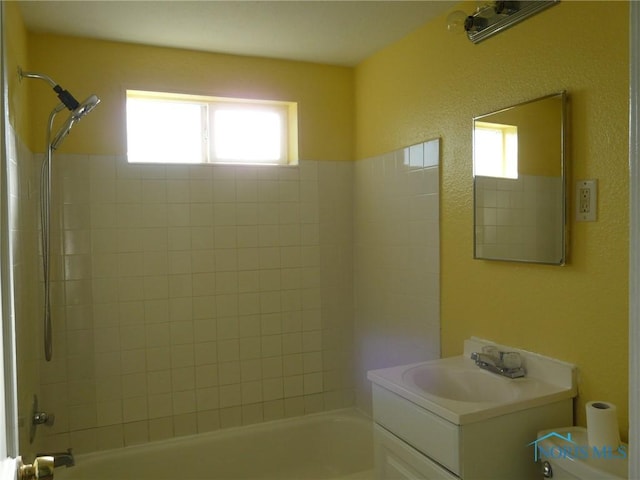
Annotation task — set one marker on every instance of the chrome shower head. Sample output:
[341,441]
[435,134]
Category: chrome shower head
[83,109]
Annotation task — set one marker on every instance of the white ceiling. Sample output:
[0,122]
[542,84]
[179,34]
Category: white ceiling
[340,32]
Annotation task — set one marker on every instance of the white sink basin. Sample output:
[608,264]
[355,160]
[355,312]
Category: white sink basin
[457,390]
[461,384]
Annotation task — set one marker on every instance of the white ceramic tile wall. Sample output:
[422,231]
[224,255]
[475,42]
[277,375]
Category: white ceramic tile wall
[189,298]
[519,217]
[24,245]
[397,261]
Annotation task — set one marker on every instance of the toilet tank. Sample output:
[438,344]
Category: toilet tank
[565,454]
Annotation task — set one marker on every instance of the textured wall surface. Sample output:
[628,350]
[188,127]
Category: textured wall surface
[432,83]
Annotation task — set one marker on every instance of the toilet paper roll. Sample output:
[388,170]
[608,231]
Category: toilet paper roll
[602,425]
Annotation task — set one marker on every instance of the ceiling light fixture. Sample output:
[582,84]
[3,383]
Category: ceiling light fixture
[494,17]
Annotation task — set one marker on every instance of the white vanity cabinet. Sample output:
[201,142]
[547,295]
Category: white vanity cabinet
[396,459]
[412,443]
[430,424]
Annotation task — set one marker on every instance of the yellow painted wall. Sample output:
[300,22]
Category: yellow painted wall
[324,93]
[431,84]
[16,48]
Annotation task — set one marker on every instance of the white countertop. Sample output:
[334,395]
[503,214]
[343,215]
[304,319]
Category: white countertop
[530,391]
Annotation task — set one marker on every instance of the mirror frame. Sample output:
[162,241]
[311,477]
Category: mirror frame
[564,233]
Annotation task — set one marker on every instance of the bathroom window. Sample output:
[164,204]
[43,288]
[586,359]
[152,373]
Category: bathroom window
[171,128]
[495,150]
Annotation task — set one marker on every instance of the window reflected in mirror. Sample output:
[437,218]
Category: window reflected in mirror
[496,145]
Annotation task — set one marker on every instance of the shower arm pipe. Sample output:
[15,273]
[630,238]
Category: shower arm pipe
[41,76]
[65,97]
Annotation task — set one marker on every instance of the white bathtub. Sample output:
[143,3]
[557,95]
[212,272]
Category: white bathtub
[331,445]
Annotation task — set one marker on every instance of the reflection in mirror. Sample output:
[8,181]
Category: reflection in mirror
[519,182]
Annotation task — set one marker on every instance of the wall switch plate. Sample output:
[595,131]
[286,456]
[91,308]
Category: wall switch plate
[586,200]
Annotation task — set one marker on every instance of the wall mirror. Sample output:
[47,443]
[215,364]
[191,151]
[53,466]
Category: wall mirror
[519,173]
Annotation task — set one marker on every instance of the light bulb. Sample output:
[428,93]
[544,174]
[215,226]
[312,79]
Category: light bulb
[482,4]
[455,21]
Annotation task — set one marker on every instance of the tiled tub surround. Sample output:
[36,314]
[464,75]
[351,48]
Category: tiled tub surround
[397,261]
[189,298]
[192,298]
[25,245]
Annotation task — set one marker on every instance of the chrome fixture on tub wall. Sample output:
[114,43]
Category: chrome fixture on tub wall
[39,417]
[494,17]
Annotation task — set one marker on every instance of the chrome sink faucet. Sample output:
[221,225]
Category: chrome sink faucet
[507,364]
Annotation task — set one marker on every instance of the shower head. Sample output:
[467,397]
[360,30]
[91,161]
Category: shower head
[83,109]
